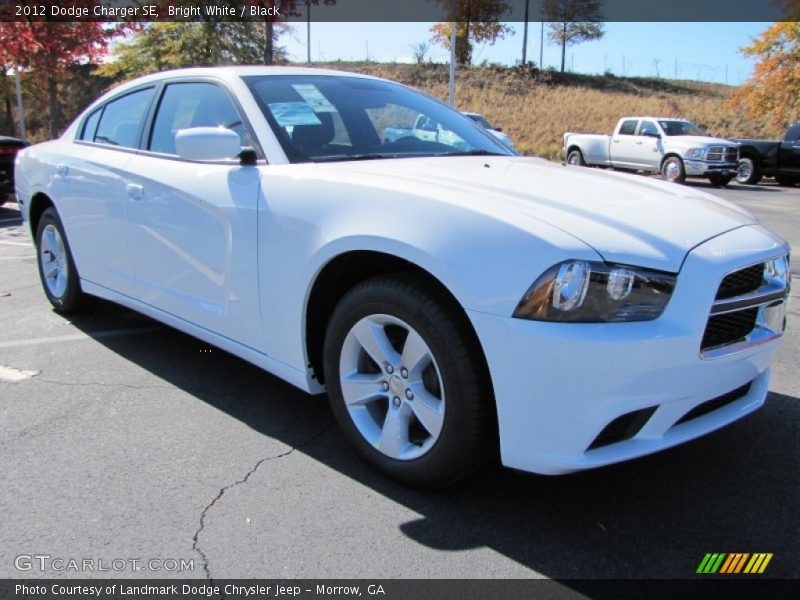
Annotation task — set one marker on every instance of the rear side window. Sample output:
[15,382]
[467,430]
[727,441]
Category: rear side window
[186,105]
[122,119]
[90,126]
[628,127]
[793,133]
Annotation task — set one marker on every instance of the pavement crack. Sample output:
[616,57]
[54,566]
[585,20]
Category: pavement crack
[223,490]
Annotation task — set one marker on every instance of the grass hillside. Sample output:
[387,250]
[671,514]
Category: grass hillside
[536,107]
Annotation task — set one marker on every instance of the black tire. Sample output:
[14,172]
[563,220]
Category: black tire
[786,181]
[720,180]
[468,436]
[748,172]
[3,198]
[672,170]
[575,157]
[72,299]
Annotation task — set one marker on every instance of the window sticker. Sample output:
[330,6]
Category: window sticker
[315,99]
[289,114]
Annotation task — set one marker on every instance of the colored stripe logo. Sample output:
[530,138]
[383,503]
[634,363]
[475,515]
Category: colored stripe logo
[734,562]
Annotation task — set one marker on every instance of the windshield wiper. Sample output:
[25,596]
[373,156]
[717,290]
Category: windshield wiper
[473,153]
[352,157]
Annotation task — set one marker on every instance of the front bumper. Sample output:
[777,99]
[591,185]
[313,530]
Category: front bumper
[701,168]
[559,385]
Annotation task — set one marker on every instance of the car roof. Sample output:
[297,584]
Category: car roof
[233,72]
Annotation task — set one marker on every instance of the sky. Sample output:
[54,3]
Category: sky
[701,51]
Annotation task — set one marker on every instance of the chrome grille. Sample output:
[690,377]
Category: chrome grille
[722,154]
[748,308]
[715,153]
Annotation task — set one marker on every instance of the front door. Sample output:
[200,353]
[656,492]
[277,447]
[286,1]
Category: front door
[191,226]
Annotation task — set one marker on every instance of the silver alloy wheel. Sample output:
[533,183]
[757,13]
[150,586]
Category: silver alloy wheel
[673,170]
[53,258]
[574,159]
[745,171]
[392,387]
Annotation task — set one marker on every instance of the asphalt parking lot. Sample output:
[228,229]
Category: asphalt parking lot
[124,439]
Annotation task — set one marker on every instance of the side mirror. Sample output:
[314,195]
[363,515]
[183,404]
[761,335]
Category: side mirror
[498,128]
[652,134]
[207,143]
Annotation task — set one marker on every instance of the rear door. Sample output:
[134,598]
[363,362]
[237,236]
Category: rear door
[623,151]
[90,185]
[789,158]
[191,226]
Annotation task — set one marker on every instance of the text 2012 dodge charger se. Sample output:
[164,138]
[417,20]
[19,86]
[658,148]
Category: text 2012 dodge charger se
[453,299]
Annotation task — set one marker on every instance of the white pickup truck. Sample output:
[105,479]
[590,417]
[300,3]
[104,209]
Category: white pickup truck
[676,148]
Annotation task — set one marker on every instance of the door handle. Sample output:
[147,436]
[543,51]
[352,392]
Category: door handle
[639,142]
[135,191]
[62,170]
[616,140]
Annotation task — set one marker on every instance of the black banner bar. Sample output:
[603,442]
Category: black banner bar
[393,589]
[508,11]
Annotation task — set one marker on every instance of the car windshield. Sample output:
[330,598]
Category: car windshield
[681,128]
[480,121]
[319,118]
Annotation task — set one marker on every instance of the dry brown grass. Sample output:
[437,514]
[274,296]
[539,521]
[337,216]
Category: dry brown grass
[536,107]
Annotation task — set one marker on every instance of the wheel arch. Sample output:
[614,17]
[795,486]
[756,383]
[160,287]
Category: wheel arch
[667,156]
[344,271]
[39,203]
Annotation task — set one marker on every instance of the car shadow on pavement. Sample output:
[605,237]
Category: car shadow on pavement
[735,490]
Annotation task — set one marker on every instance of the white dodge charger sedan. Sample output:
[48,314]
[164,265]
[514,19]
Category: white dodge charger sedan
[454,300]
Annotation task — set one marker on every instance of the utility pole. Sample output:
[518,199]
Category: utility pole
[20,114]
[308,29]
[676,67]
[541,47]
[623,65]
[525,34]
[453,24]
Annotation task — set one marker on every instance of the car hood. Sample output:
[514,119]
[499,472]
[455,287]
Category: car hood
[628,219]
[693,141]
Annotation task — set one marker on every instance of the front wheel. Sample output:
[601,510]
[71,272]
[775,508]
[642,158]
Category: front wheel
[407,382]
[575,157]
[720,180]
[672,170]
[56,267]
[747,172]
[3,198]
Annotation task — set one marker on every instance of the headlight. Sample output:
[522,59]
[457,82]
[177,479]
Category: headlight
[592,292]
[695,153]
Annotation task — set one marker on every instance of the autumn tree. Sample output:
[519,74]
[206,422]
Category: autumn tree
[774,87]
[572,22]
[49,49]
[477,22]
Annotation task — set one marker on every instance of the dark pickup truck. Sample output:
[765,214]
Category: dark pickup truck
[764,158]
[9,147]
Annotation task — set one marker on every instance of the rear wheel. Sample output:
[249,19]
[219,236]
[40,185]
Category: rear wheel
[575,157]
[672,170]
[407,382]
[56,266]
[748,172]
[720,180]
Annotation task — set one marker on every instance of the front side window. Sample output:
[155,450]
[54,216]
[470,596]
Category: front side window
[122,119]
[321,118]
[648,128]
[195,104]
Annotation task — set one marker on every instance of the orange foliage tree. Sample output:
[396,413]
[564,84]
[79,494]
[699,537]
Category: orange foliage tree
[774,87]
